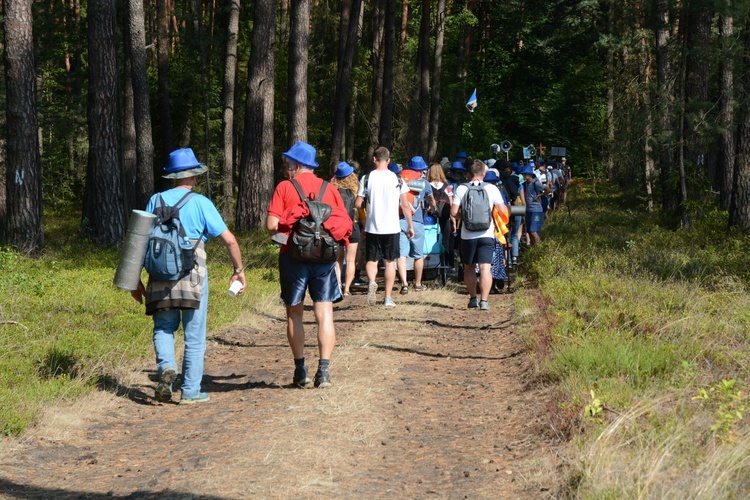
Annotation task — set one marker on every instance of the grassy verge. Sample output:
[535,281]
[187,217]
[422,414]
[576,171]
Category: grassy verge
[66,329]
[649,348]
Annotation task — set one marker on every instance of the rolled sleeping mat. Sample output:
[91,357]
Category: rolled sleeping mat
[518,210]
[133,250]
[417,185]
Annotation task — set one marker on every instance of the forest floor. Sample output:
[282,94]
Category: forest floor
[429,399]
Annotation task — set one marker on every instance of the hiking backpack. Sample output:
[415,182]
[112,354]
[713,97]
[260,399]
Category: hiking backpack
[310,241]
[476,209]
[169,254]
[442,200]
[347,195]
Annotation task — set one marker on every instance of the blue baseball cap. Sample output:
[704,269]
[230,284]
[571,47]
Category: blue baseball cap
[417,163]
[343,169]
[183,164]
[302,153]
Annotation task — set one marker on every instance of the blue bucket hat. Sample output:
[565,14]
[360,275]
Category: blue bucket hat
[527,170]
[393,167]
[183,164]
[343,169]
[462,155]
[457,165]
[491,176]
[417,163]
[302,153]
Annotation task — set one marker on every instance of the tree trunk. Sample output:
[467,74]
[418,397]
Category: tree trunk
[162,56]
[404,25]
[664,96]
[386,115]
[437,75]
[343,80]
[144,186]
[104,203]
[725,160]
[299,41]
[284,27]
[129,157]
[378,25]
[256,171]
[24,219]
[424,80]
[228,97]
[352,107]
[739,211]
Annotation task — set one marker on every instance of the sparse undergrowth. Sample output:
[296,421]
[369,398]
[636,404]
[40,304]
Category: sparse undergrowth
[65,328]
[649,348]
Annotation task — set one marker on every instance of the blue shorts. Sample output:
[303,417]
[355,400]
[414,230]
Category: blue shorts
[534,221]
[297,277]
[411,247]
[477,251]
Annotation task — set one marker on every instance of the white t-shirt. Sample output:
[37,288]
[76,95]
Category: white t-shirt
[380,187]
[496,198]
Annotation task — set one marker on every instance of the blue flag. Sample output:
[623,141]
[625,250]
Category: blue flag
[472,102]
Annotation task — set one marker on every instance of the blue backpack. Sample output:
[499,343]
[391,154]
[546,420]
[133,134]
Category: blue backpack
[169,255]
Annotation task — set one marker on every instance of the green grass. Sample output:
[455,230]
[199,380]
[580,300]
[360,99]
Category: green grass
[64,326]
[646,317]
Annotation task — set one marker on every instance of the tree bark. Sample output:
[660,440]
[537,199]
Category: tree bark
[256,171]
[664,96]
[424,80]
[343,80]
[404,25]
[228,98]
[129,156]
[162,56]
[386,115]
[437,75]
[299,40]
[24,218]
[104,203]
[739,211]
[144,186]
[378,25]
[725,159]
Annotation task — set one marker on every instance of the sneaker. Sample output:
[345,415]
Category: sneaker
[301,379]
[359,282]
[515,261]
[322,379]
[473,303]
[163,392]
[388,302]
[372,292]
[200,398]
[484,305]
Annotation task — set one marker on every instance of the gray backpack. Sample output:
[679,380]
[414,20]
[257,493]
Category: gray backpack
[476,209]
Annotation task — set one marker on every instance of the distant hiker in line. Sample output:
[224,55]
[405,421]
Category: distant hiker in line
[347,182]
[534,192]
[477,244]
[297,277]
[186,300]
[383,192]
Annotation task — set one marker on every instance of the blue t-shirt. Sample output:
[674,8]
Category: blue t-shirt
[532,190]
[418,216]
[198,216]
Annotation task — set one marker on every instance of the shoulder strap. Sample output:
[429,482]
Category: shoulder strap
[322,191]
[299,189]
[184,200]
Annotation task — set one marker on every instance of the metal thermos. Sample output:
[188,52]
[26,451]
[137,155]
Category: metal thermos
[133,250]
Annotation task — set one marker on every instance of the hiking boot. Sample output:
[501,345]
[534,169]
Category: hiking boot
[484,305]
[202,397]
[372,293]
[322,379]
[388,302]
[473,303]
[163,392]
[301,379]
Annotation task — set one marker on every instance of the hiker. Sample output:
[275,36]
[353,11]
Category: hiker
[383,192]
[477,245]
[296,276]
[413,177]
[443,195]
[534,192]
[186,300]
[347,182]
[497,267]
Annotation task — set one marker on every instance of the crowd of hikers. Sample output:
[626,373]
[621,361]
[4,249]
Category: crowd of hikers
[464,217]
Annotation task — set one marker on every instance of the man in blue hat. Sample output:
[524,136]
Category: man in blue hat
[298,277]
[534,191]
[419,191]
[186,300]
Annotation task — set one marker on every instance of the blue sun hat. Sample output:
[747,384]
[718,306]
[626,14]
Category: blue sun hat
[457,165]
[462,155]
[183,164]
[393,167]
[343,169]
[491,176]
[302,153]
[527,170]
[417,163]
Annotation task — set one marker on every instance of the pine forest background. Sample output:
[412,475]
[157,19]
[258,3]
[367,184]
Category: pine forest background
[648,94]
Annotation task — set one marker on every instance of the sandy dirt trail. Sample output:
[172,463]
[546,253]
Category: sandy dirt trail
[429,399]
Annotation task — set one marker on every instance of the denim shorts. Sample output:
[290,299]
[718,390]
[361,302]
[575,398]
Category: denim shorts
[477,251]
[411,247]
[534,221]
[297,277]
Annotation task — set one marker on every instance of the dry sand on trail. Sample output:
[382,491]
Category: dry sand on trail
[429,399]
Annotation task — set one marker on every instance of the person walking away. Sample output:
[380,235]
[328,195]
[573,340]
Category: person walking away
[443,195]
[185,301]
[347,183]
[383,192]
[298,277]
[477,245]
[497,267]
[534,191]
[419,191]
